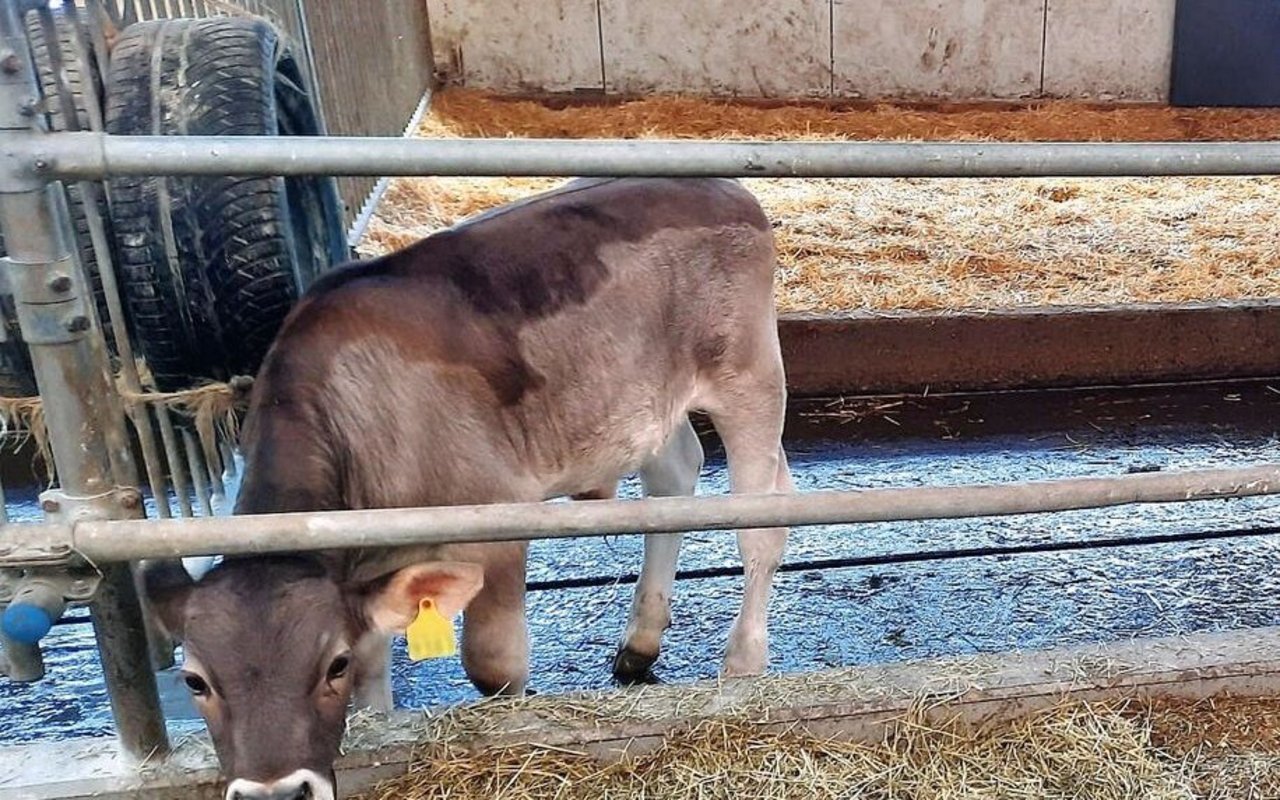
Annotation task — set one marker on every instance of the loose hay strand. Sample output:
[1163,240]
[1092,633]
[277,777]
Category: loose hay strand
[920,244]
[213,408]
[22,420]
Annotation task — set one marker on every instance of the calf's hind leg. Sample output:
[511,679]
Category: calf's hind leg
[672,472]
[749,414]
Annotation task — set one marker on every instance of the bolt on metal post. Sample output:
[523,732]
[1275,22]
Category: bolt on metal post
[83,415]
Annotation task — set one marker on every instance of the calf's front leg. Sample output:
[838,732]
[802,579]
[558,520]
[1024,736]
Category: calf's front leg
[495,634]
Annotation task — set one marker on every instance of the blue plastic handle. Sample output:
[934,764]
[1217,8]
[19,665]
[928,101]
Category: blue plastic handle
[26,623]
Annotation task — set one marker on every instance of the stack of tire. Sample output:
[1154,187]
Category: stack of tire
[208,267]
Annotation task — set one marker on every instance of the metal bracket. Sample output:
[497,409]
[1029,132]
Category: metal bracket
[31,601]
[52,544]
[49,300]
[75,586]
[23,167]
[121,502]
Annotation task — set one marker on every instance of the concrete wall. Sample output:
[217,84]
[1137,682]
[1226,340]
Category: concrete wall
[957,49]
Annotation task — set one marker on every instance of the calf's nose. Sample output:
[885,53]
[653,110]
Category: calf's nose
[301,785]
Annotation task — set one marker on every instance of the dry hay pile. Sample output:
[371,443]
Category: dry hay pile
[1225,748]
[925,243]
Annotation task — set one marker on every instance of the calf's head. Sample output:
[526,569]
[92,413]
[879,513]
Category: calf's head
[269,649]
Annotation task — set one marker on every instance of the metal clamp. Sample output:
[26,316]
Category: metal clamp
[74,586]
[23,165]
[40,572]
[122,502]
[51,544]
[49,300]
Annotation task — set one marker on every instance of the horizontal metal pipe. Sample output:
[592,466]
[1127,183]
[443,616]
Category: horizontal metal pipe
[102,541]
[95,156]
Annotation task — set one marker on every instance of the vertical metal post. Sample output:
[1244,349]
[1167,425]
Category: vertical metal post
[303,34]
[213,463]
[21,663]
[228,460]
[101,18]
[199,473]
[82,412]
[173,457]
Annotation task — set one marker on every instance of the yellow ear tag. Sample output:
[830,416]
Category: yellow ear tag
[430,635]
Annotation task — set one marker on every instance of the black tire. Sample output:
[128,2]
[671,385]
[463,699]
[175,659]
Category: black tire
[211,266]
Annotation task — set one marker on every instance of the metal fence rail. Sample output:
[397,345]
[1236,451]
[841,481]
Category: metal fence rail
[97,156]
[102,541]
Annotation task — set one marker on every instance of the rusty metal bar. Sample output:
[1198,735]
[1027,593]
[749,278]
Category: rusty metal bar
[101,16]
[199,473]
[82,411]
[173,457]
[105,541]
[96,156]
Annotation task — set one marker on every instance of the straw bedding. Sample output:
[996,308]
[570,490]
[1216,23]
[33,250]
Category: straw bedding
[1219,748]
[925,243]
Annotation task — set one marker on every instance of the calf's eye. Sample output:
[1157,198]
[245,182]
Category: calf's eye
[338,668]
[196,684]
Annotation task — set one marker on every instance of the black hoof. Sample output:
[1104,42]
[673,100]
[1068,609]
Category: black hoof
[630,667]
[489,689]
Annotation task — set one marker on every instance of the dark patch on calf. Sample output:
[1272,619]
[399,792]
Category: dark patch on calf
[511,378]
[291,464]
[462,295]
[533,258]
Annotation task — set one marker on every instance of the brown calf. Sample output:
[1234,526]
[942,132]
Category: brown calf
[544,349]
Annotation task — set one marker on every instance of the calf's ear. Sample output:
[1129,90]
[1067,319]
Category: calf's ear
[165,587]
[392,602]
